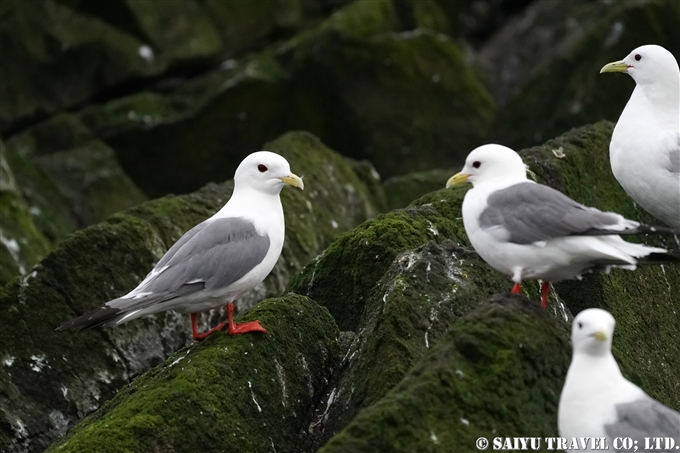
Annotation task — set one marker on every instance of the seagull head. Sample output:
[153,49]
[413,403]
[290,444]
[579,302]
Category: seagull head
[592,331]
[267,172]
[490,163]
[647,65]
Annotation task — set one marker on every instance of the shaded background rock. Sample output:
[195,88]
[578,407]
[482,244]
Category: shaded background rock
[546,64]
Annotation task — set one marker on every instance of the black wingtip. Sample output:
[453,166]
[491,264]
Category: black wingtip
[640,229]
[658,258]
[651,229]
[91,319]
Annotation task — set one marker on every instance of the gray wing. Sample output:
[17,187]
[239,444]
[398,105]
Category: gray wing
[530,212]
[217,254]
[645,418]
[212,255]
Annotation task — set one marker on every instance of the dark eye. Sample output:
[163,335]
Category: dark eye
[262,168]
[580,325]
[477,164]
[638,57]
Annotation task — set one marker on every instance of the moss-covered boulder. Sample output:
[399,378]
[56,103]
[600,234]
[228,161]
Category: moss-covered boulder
[363,80]
[22,244]
[68,180]
[52,379]
[546,63]
[400,191]
[247,393]
[396,283]
[60,53]
[495,372]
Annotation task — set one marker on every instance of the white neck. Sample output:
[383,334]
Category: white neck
[253,205]
[660,102]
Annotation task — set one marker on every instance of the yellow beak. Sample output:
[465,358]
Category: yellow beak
[615,66]
[458,178]
[600,335]
[293,180]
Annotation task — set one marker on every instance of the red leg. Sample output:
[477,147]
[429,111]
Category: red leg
[545,290]
[517,289]
[253,326]
[194,329]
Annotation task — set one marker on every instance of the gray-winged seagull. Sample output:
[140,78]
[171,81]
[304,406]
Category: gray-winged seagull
[531,231]
[645,148]
[598,402]
[218,260]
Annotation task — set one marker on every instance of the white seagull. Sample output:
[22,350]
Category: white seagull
[645,148]
[597,401]
[218,260]
[531,231]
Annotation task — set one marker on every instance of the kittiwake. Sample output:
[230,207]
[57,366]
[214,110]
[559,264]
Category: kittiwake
[218,260]
[645,148]
[531,231]
[598,402]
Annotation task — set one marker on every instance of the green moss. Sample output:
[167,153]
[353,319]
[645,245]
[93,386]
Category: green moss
[50,211]
[137,110]
[22,244]
[421,78]
[56,57]
[181,30]
[497,371]
[245,393]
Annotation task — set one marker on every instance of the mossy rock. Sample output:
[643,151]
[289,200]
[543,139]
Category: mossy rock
[316,81]
[106,260]
[420,77]
[56,57]
[246,393]
[67,180]
[496,372]
[400,191]
[554,67]
[61,53]
[22,244]
[396,283]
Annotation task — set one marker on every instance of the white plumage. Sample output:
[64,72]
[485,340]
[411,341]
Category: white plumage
[645,147]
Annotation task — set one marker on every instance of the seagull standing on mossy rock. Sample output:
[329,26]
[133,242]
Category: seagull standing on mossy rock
[531,231]
[218,260]
[645,148]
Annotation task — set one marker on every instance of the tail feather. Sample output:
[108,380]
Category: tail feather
[91,319]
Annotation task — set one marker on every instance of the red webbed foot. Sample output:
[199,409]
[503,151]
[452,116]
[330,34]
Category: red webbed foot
[234,329]
[517,289]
